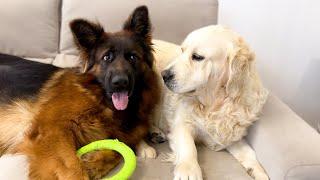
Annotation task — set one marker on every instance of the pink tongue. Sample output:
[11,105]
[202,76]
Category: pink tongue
[120,100]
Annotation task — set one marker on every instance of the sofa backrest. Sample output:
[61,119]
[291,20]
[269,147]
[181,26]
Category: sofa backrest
[29,28]
[172,20]
[32,28]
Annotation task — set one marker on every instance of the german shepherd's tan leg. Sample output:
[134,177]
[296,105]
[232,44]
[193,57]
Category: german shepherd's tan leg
[53,157]
[15,120]
[99,163]
[54,167]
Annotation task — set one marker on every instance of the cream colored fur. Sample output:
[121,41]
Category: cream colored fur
[16,119]
[213,101]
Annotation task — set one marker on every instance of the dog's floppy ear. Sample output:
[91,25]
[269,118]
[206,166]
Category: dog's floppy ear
[139,23]
[86,34]
[239,59]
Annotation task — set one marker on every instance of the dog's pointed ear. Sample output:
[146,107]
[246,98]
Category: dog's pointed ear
[139,23]
[240,63]
[85,33]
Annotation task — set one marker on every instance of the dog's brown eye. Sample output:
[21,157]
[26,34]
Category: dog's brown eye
[108,56]
[132,57]
[197,57]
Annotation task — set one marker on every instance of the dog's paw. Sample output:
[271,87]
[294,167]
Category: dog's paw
[157,136]
[187,171]
[146,151]
[98,163]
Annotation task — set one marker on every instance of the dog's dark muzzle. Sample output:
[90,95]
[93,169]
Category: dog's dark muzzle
[120,82]
[120,90]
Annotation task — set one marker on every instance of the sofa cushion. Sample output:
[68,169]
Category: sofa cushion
[172,20]
[214,165]
[163,51]
[286,146]
[29,28]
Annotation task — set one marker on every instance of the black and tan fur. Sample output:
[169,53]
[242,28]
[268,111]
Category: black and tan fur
[47,113]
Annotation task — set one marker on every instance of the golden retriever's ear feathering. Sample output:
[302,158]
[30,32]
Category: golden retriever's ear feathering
[240,60]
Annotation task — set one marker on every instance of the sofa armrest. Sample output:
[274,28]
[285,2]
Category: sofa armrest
[286,146]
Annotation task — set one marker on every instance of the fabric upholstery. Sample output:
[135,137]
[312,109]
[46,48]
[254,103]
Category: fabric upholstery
[29,28]
[215,165]
[172,20]
[65,61]
[287,147]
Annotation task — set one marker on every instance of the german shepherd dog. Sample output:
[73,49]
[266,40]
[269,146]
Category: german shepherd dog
[47,113]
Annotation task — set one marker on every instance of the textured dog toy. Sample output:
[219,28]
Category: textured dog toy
[126,152]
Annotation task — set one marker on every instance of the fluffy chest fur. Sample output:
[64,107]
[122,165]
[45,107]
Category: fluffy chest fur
[218,125]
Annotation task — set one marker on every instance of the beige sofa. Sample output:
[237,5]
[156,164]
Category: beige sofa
[287,147]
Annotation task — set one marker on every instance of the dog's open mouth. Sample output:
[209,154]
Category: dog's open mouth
[120,100]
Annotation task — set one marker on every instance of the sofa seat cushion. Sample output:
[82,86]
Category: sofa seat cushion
[29,28]
[286,146]
[214,165]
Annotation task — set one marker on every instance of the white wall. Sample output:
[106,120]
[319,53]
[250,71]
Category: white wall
[285,34]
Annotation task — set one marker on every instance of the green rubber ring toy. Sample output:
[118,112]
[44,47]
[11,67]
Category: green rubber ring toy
[128,155]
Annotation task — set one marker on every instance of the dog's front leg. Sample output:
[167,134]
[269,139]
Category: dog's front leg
[247,157]
[183,146]
[54,162]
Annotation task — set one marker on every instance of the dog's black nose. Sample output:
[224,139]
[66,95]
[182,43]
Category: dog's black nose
[120,81]
[167,75]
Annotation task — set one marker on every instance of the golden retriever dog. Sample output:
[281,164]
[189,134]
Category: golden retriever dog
[213,94]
